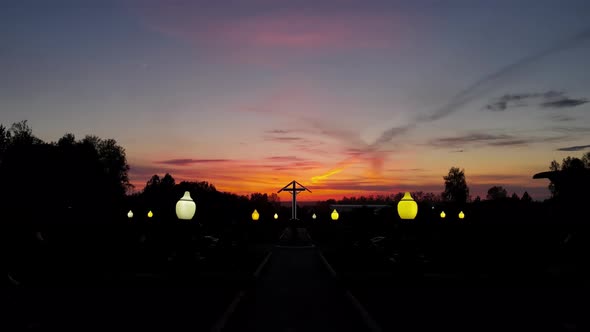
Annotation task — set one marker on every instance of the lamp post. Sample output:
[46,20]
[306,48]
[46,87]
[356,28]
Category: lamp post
[130,214]
[186,207]
[276,216]
[313,216]
[407,208]
[255,215]
[150,214]
[461,215]
[335,215]
[443,215]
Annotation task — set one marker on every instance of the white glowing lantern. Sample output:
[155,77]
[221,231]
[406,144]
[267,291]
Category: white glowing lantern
[443,215]
[150,214]
[276,216]
[186,207]
[255,215]
[130,214]
[314,216]
[335,215]
[461,215]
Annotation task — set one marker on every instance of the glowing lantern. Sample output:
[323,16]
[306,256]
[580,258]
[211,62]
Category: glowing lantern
[461,215]
[314,216]
[443,214]
[407,208]
[186,207]
[130,214]
[276,216]
[335,215]
[255,215]
[150,214]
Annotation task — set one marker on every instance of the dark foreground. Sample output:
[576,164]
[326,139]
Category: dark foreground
[296,284]
[296,293]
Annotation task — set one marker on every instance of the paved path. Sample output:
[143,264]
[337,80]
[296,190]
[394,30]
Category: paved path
[295,292]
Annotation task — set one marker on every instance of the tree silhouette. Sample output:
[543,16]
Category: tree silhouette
[168,181]
[84,178]
[456,189]
[497,193]
[526,197]
[571,179]
[22,134]
[153,183]
[4,140]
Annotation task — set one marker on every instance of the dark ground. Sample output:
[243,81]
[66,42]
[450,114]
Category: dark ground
[405,287]
[111,309]
[468,283]
[295,293]
[108,285]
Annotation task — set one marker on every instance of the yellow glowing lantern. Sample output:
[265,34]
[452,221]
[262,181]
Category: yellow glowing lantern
[443,214]
[276,216]
[130,214]
[314,216]
[407,208]
[335,215]
[255,215]
[150,214]
[461,215]
[186,207]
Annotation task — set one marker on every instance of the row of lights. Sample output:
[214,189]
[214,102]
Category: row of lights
[256,215]
[185,208]
[407,208]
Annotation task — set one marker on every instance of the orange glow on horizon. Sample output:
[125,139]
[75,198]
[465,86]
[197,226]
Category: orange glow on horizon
[349,178]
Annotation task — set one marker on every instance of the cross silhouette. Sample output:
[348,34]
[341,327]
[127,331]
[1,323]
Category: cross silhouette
[294,190]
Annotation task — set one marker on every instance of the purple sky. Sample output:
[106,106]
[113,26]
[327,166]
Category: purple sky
[347,97]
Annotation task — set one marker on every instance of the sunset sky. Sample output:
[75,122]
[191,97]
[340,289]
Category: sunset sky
[347,97]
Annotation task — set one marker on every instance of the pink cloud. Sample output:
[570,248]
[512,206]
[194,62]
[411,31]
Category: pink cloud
[272,37]
[296,31]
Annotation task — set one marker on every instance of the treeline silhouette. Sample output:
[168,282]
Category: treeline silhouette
[63,210]
[59,181]
[64,206]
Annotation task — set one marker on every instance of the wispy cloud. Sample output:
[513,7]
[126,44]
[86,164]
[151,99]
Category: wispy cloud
[522,99]
[562,118]
[471,139]
[185,162]
[549,99]
[571,129]
[565,102]
[476,91]
[574,148]
[282,158]
[283,138]
[499,178]
[278,131]
[513,142]
[492,140]
[404,170]
[484,85]
[381,185]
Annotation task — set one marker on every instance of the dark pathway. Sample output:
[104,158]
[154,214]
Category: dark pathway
[295,292]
